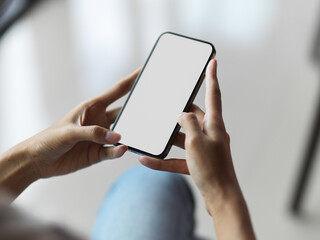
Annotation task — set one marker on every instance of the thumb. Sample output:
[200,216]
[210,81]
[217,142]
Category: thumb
[95,134]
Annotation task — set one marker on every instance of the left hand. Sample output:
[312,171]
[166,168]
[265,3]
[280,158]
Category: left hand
[77,140]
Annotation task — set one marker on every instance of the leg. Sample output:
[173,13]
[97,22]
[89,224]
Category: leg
[145,204]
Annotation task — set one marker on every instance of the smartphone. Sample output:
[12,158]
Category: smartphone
[165,87]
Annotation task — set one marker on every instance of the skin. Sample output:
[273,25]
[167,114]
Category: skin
[77,141]
[209,162]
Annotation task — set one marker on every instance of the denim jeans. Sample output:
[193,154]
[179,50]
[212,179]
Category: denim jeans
[145,204]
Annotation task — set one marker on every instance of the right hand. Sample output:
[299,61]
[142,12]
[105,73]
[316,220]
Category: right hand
[207,144]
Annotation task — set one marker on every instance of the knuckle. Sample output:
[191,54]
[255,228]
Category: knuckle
[190,116]
[214,121]
[219,129]
[85,104]
[96,131]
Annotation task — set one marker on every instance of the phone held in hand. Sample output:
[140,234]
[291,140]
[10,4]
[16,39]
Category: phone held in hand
[165,87]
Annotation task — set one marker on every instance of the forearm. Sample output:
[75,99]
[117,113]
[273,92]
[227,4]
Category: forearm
[16,171]
[230,215]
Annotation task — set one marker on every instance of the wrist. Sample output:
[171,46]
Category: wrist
[17,171]
[229,212]
[218,196]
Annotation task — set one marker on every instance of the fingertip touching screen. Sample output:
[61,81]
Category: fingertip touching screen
[164,88]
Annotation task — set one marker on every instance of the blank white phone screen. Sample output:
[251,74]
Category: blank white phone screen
[168,79]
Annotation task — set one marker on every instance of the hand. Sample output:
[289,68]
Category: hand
[77,140]
[207,144]
[208,161]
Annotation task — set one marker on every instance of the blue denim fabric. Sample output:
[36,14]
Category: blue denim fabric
[144,204]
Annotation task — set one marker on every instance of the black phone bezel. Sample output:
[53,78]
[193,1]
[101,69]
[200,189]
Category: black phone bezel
[169,144]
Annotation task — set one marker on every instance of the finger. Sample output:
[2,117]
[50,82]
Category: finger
[119,89]
[228,138]
[213,94]
[179,140]
[198,112]
[112,114]
[112,152]
[168,165]
[95,134]
[189,122]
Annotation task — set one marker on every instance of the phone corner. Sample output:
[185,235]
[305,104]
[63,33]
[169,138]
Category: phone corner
[213,50]
[165,33]
[161,155]
[164,153]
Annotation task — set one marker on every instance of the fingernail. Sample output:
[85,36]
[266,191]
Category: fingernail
[121,150]
[142,160]
[113,137]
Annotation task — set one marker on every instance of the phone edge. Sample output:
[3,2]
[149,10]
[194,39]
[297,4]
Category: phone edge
[169,144]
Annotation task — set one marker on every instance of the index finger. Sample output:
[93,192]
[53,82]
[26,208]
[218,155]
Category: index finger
[169,165]
[213,94]
[119,89]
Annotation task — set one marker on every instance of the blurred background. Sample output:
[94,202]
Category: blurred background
[63,52]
